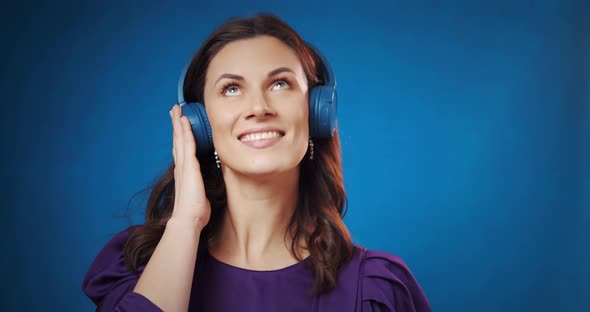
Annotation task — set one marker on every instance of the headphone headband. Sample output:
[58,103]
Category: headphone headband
[180,87]
[329,78]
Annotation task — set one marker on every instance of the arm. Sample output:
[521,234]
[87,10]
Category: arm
[168,275]
[167,278]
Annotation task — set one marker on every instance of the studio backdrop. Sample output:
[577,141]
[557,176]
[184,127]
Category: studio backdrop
[464,129]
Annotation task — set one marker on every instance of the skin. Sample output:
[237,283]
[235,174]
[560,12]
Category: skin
[262,184]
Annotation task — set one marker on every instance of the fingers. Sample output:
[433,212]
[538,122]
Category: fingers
[184,146]
[178,133]
[189,139]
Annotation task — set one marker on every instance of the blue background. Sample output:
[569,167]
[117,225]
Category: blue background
[465,137]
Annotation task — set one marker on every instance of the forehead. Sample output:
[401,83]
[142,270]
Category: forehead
[253,57]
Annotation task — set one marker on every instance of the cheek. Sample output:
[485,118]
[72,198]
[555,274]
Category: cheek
[221,124]
[300,128]
[299,113]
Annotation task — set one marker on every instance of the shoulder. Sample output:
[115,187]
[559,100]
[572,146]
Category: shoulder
[388,284]
[111,253]
[107,278]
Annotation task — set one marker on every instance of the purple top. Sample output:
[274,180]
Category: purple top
[372,281]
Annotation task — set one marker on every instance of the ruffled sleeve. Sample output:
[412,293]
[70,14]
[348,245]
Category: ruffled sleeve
[388,285]
[110,285]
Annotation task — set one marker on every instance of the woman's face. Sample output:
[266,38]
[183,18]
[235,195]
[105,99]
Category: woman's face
[256,100]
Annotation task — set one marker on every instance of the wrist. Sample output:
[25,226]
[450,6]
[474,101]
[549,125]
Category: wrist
[195,224]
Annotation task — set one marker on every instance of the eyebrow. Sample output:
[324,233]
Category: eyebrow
[270,74]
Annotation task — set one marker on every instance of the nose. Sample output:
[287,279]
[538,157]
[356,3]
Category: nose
[260,107]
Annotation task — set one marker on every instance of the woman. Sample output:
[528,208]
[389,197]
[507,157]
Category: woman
[256,225]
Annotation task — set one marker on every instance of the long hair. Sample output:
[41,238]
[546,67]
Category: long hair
[321,202]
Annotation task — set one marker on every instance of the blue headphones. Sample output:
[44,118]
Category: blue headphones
[322,108]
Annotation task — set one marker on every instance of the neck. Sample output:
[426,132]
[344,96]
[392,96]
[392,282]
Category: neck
[255,222]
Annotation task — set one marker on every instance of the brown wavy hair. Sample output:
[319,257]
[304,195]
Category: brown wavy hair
[321,202]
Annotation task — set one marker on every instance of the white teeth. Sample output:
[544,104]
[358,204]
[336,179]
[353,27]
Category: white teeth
[260,136]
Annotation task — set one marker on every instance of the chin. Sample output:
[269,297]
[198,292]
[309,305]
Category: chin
[266,169]
[266,166]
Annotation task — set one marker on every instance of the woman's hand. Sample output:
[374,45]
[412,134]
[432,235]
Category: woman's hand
[190,202]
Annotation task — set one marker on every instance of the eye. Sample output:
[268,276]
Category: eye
[230,89]
[281,83]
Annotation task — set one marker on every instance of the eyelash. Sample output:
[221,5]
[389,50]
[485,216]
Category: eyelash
[235,83]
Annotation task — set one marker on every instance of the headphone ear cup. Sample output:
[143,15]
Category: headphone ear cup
[322,111]
[196,114]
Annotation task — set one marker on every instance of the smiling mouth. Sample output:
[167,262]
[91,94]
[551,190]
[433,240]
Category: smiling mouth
[266,135]
[260,140]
